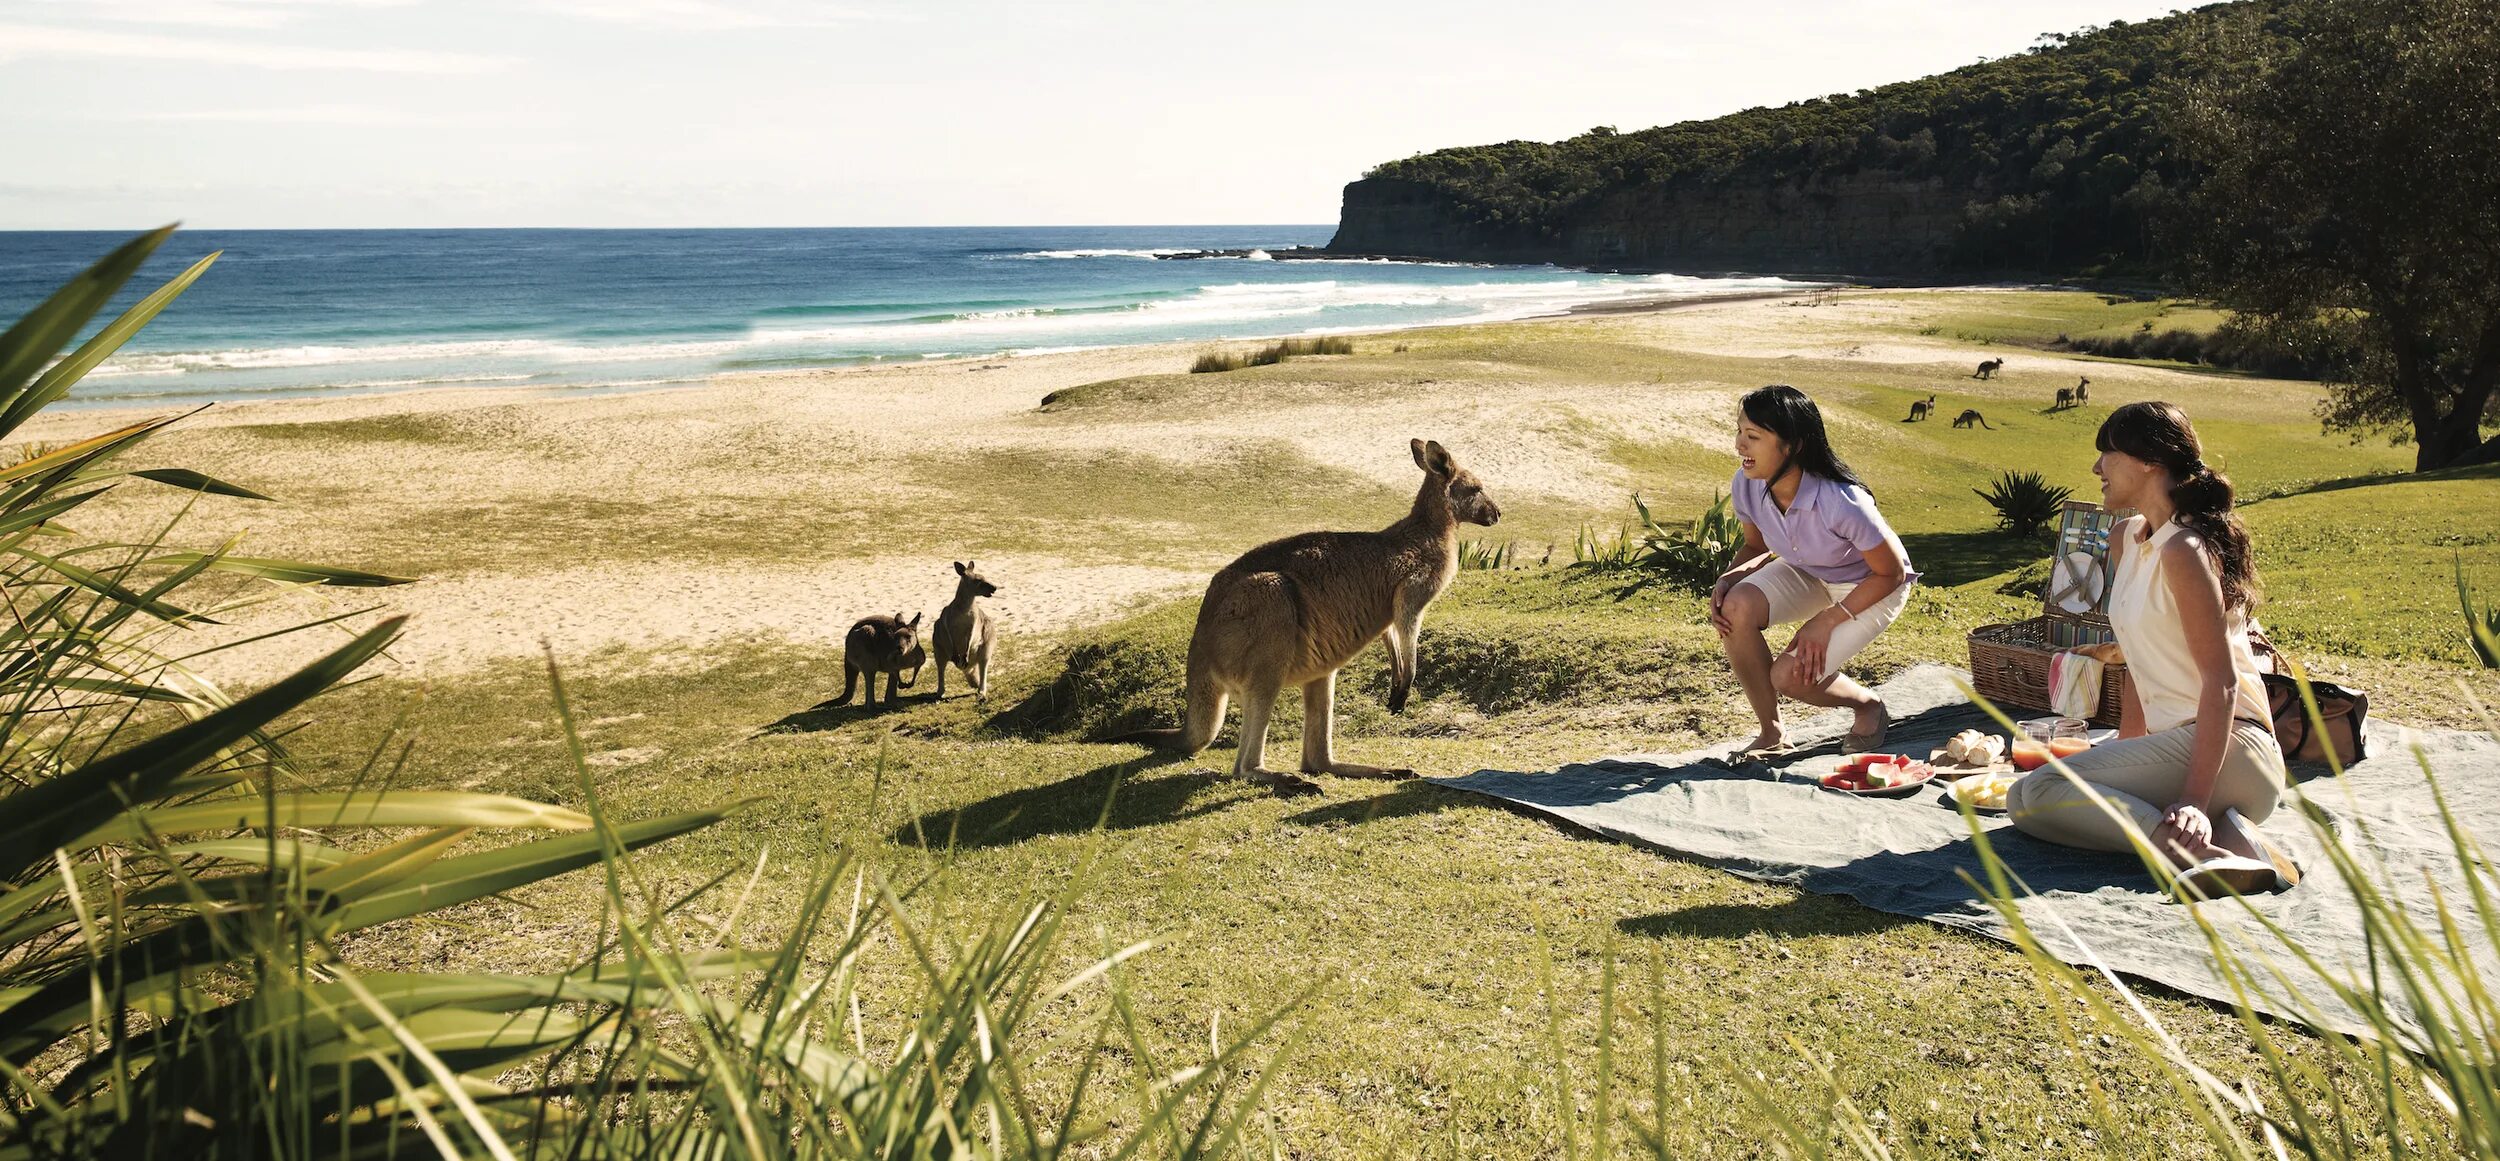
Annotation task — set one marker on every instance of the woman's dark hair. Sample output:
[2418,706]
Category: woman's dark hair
[2159,434]
[1791,415]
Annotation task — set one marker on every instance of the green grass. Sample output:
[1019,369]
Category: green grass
[1427,914]
[2033,318]
[1428,917]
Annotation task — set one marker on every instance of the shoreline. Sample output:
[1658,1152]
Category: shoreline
[465,394]
[675,521]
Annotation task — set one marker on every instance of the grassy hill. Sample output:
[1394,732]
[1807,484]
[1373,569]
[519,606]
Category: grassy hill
[2054,159]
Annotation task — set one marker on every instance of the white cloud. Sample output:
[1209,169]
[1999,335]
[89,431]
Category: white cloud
[708,15]
[362,116]
[201,13]
[22,41]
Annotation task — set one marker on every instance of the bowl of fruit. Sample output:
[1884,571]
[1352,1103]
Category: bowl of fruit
[1879,775]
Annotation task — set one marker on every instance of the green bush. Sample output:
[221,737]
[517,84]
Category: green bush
[2025,502]
[1692,556]
[2482,628]
[1273,353]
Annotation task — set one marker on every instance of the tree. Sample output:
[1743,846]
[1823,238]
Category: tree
[2351,195]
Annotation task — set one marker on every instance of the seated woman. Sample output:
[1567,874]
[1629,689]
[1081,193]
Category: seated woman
[2195,768]
[1816,551]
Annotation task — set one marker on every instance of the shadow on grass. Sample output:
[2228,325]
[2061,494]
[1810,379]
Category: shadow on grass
[1958,558]
[2473,472]
[1405,801]
[1147,791]
[827,715]
[1804,914]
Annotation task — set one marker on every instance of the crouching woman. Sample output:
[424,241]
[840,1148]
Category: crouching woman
[1816,554]
[2195,767]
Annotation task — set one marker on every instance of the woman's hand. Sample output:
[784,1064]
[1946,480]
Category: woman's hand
[1813,642]
[1718,600]
[2190,823]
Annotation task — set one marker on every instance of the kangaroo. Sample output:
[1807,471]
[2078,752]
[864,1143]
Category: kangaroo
[1988,369]
[1294,611]
[1970,417]
[881,645]
[1921,409]
[962,633]
[2065,399]
[2083,391]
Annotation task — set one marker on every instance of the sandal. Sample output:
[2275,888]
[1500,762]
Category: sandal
[1759,754]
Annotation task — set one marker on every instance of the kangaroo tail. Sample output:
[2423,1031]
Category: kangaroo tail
[1206,715]
[850,684]
[1983,422]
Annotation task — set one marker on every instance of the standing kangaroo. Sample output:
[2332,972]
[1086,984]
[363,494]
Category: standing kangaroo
[1294,611]
[1988,369]
[962,635]
[2065,399]
[881,645]
[2083,390]
[1970,417]
[1921,409]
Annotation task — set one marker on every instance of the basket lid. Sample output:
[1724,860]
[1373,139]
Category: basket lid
[2079,568]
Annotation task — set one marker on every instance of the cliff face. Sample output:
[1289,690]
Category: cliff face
[1863,222]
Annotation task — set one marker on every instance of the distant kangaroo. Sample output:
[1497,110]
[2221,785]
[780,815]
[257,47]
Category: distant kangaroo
[881,645]
[1970,417]
[1921,409]
[962,633]
[1988,369]
[2083,391]
[1294,611]
[2065,399]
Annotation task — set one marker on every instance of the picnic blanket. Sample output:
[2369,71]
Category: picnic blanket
[1774,823]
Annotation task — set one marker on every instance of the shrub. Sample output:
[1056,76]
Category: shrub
[1276,352]
[2025,502]
[1692,556]
[1484,556]
[2482,629]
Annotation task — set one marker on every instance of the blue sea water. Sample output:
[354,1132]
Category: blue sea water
[293,312]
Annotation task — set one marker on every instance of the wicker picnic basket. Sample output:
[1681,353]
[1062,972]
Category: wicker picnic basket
[2009,664]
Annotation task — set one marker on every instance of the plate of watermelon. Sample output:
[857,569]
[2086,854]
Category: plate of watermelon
[1879,775]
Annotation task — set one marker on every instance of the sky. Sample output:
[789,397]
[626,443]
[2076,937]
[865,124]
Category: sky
[117,114]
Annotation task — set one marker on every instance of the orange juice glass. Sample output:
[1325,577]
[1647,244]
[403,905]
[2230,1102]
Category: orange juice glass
[2069,747]
[2029,754]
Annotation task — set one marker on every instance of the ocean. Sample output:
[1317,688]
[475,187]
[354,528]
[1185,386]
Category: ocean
[323,312]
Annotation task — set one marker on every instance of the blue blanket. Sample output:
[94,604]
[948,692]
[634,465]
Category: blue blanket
[1907,856]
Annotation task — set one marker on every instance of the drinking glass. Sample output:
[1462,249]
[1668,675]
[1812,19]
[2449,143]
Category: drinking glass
[2069,737]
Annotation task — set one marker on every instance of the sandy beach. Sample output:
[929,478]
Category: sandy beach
[651,526]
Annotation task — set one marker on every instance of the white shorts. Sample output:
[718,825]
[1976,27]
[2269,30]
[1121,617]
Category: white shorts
[1793,596]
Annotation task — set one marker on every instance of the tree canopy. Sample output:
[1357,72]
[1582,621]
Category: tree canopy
[2350,195]
[2062,151]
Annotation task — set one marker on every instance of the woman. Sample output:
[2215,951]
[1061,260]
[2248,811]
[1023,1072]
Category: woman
[2195,767]
[1816,551]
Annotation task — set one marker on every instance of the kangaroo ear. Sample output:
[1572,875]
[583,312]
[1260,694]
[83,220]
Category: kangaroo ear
[959,568]
[1417,446]
[1436,459]
[915,619]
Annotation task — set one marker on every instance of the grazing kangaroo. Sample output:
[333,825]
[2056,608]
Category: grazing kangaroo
[1970,417]
[1988,369]
[962,634]
[2065,399]
[1294,611]
[2083,391]
[1921,409]
[881,645]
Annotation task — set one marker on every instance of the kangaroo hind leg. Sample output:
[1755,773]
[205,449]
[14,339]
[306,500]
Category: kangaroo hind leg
[1256,704]
[1319,709]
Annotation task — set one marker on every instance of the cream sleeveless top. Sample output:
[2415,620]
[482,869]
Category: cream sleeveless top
[2146,618]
